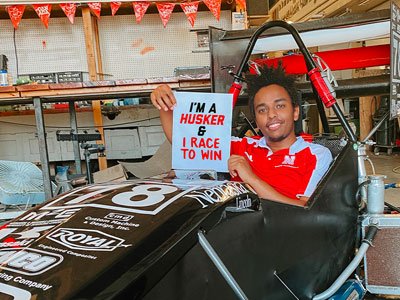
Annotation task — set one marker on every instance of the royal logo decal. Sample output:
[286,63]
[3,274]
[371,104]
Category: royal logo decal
[86,239]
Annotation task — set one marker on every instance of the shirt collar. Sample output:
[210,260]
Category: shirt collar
[296,147]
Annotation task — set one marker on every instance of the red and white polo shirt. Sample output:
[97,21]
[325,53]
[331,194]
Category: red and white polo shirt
[293,172]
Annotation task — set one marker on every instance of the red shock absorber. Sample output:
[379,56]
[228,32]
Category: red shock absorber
[322,86]
[235,89]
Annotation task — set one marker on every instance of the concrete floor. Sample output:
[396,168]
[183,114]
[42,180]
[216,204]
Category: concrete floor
[385,164]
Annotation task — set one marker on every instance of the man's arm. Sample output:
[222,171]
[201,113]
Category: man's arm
[164,100]
[239,166]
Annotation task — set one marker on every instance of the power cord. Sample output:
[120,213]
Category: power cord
[15,52]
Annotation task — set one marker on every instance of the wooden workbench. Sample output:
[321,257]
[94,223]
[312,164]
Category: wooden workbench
[83,91]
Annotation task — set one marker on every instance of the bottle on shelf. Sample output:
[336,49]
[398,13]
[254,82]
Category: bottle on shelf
[3,70]
[3,78]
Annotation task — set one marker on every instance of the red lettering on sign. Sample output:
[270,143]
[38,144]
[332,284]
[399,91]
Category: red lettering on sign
[211,154]
[196,142]
[202,119]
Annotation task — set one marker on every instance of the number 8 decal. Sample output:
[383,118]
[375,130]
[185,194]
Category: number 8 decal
[154,194]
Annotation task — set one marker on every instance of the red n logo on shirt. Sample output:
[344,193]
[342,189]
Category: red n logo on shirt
[289,160]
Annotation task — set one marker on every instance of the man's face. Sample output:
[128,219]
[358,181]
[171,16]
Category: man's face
[275,114]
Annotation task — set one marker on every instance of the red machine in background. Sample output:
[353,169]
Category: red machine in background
[354,58]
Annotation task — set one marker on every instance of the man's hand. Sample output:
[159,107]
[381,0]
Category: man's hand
[239,166]
[163,98]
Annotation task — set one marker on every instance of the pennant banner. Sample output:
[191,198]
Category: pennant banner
[214,6]
[190,10]
[43,11]
[115,6]
[15,12]
[165,11]
[69,9]
[241,3]
[140,9]
[95,7]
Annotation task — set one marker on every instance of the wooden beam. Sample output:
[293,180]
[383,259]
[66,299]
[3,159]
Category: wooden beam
[366,110]
[89,37]
[91,61]
[99,57]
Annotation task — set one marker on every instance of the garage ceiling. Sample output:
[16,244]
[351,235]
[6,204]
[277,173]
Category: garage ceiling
[295,10]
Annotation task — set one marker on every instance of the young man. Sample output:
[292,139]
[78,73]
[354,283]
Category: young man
[278,166]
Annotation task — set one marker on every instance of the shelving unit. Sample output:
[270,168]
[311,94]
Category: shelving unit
[41,93]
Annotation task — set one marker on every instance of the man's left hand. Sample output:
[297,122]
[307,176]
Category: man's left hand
[239,166]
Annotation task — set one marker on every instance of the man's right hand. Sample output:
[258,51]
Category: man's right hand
[163,98]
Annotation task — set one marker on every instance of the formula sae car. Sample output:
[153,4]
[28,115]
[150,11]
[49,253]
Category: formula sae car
[147,239]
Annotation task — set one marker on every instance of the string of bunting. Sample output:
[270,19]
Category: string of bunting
[165,10]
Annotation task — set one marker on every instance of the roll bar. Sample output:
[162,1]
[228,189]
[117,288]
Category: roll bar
[321,86]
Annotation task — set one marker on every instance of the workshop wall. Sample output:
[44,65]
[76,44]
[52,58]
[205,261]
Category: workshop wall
[129,50]
[148,50]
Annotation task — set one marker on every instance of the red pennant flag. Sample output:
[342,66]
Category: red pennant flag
[140,9]
[190,10]
[165,11]
[115,6]
[241,3]
[214,6]
[15,12]
[95,7]
[43,11]
[69,9]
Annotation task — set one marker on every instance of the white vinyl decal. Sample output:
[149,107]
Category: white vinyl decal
[154,194]
[28,261]
[16,293]
[86,239]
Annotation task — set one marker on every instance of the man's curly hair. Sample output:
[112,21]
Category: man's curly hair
[268,76]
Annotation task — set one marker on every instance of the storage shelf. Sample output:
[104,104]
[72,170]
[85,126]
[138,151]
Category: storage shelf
[97,90]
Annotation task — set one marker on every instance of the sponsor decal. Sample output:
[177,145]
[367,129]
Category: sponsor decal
[54,249]
[57,214]
[145,197]
[86,239]
[219,193]
[119,217]
[148,198]
[111,224]
[16,293]
[23,238]
[243,203]
[99,222]
[28,261]
[14,243]
[35,223]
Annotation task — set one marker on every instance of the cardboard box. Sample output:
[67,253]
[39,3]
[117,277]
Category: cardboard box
[115,173]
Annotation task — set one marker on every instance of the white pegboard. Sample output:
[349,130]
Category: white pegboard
[59,48]
[122,41]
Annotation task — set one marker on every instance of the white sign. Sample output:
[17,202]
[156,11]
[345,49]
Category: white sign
[202,131]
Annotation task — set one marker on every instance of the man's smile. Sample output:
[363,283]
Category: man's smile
[275,125]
